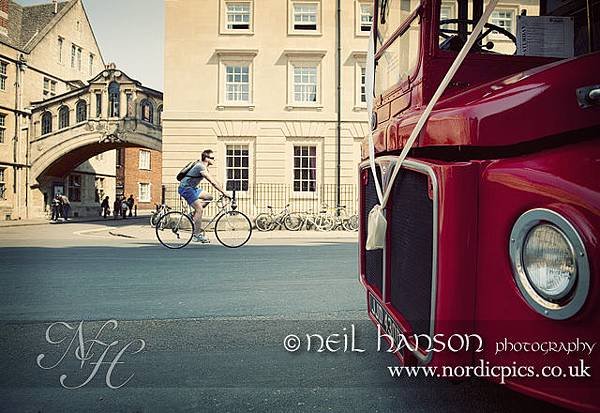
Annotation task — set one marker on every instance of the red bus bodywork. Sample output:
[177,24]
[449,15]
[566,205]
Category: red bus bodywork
[507,137]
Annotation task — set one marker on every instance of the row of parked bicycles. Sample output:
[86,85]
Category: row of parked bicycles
[326,219]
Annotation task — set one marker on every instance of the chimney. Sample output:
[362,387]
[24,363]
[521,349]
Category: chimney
[55,2]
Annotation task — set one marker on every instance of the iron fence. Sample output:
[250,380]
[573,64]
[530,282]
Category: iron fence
[259,196]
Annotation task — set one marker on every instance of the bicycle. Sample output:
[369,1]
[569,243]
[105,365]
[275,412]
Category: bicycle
[320,221]
[267,221]
[232,228]
[160,211]
[340,219]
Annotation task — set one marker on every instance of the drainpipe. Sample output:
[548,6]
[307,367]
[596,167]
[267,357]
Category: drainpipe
[338,62]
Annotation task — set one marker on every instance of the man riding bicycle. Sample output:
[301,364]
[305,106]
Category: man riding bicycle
[196,197]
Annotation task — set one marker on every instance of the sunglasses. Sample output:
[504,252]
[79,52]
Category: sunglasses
[212,158]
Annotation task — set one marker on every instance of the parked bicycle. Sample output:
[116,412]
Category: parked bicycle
[268,221]
[320,221]
[232,228]
[161,210]
[341,219]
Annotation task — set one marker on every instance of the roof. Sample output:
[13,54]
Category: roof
[25,23]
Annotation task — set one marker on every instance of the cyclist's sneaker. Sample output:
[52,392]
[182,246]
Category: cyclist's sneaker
[200,238]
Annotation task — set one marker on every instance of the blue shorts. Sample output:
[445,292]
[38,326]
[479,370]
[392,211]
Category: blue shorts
[189,194]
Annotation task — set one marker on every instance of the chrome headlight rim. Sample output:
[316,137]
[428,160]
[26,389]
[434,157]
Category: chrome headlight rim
[580,288]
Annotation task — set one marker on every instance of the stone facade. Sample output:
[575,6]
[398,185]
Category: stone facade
[259,83]
[34,68]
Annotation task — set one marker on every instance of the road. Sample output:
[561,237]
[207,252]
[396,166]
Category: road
[213,323]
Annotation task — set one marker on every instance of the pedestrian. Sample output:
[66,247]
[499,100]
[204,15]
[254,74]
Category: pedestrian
[130,204]
[124,207]
[117,207]
[55,208]
[66,206]
[105,206]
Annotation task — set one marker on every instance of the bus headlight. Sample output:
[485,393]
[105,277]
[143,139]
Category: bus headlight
[550,264]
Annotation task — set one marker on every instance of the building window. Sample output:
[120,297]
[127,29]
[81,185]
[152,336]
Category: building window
[60,49]
[159,113]
[129,104]
[366,17]
[2,127]
[305,16]
[49,87]
[46,123]
[63,117]
[144,162]
[81,111]
[91,61]
[144,192]
[362,86]
[98,105]
[74,188]
[305,168]
[504,19]
[147,111]
[73,55]
[237,161]
[113,99]
[79,59]
[3,75]
[237,83]
[238,16]
[2,184]
[305,83]
[100,157]
[120,157]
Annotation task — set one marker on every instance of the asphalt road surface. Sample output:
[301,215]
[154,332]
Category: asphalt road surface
[200,329]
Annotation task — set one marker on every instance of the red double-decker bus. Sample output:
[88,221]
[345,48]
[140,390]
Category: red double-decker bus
[493,220]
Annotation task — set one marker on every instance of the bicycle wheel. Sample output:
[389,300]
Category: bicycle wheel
[293,221]
[233,229]
[324,222]
[174,230]
[264,222]
[154,218]
[351,223]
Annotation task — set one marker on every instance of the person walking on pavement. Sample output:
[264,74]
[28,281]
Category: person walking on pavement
[66,206]
[55,208]
[117,207]
[130,204]
[124,208]
[105,206]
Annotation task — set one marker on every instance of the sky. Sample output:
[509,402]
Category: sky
[130,33]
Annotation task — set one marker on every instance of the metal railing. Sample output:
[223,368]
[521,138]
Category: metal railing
[258,196]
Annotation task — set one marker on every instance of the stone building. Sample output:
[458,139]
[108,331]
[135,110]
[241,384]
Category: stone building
[255,80]
[59,118]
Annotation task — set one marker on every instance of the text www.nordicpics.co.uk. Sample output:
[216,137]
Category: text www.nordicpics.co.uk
[484,369]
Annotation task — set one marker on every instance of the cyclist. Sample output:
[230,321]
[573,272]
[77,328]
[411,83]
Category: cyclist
[196,197]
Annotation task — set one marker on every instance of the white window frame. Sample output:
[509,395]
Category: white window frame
[221,154]
[241,146]
[358,10]
[2,128]
[304,58]
[235,86]
[291,18]
[229,57]
[3,74]
[140,197]
[513,21]
[49,87]
[145,164]
[224,17]
[3,183]
[308,141]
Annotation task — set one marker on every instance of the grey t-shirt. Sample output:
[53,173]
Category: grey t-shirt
[194,175]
